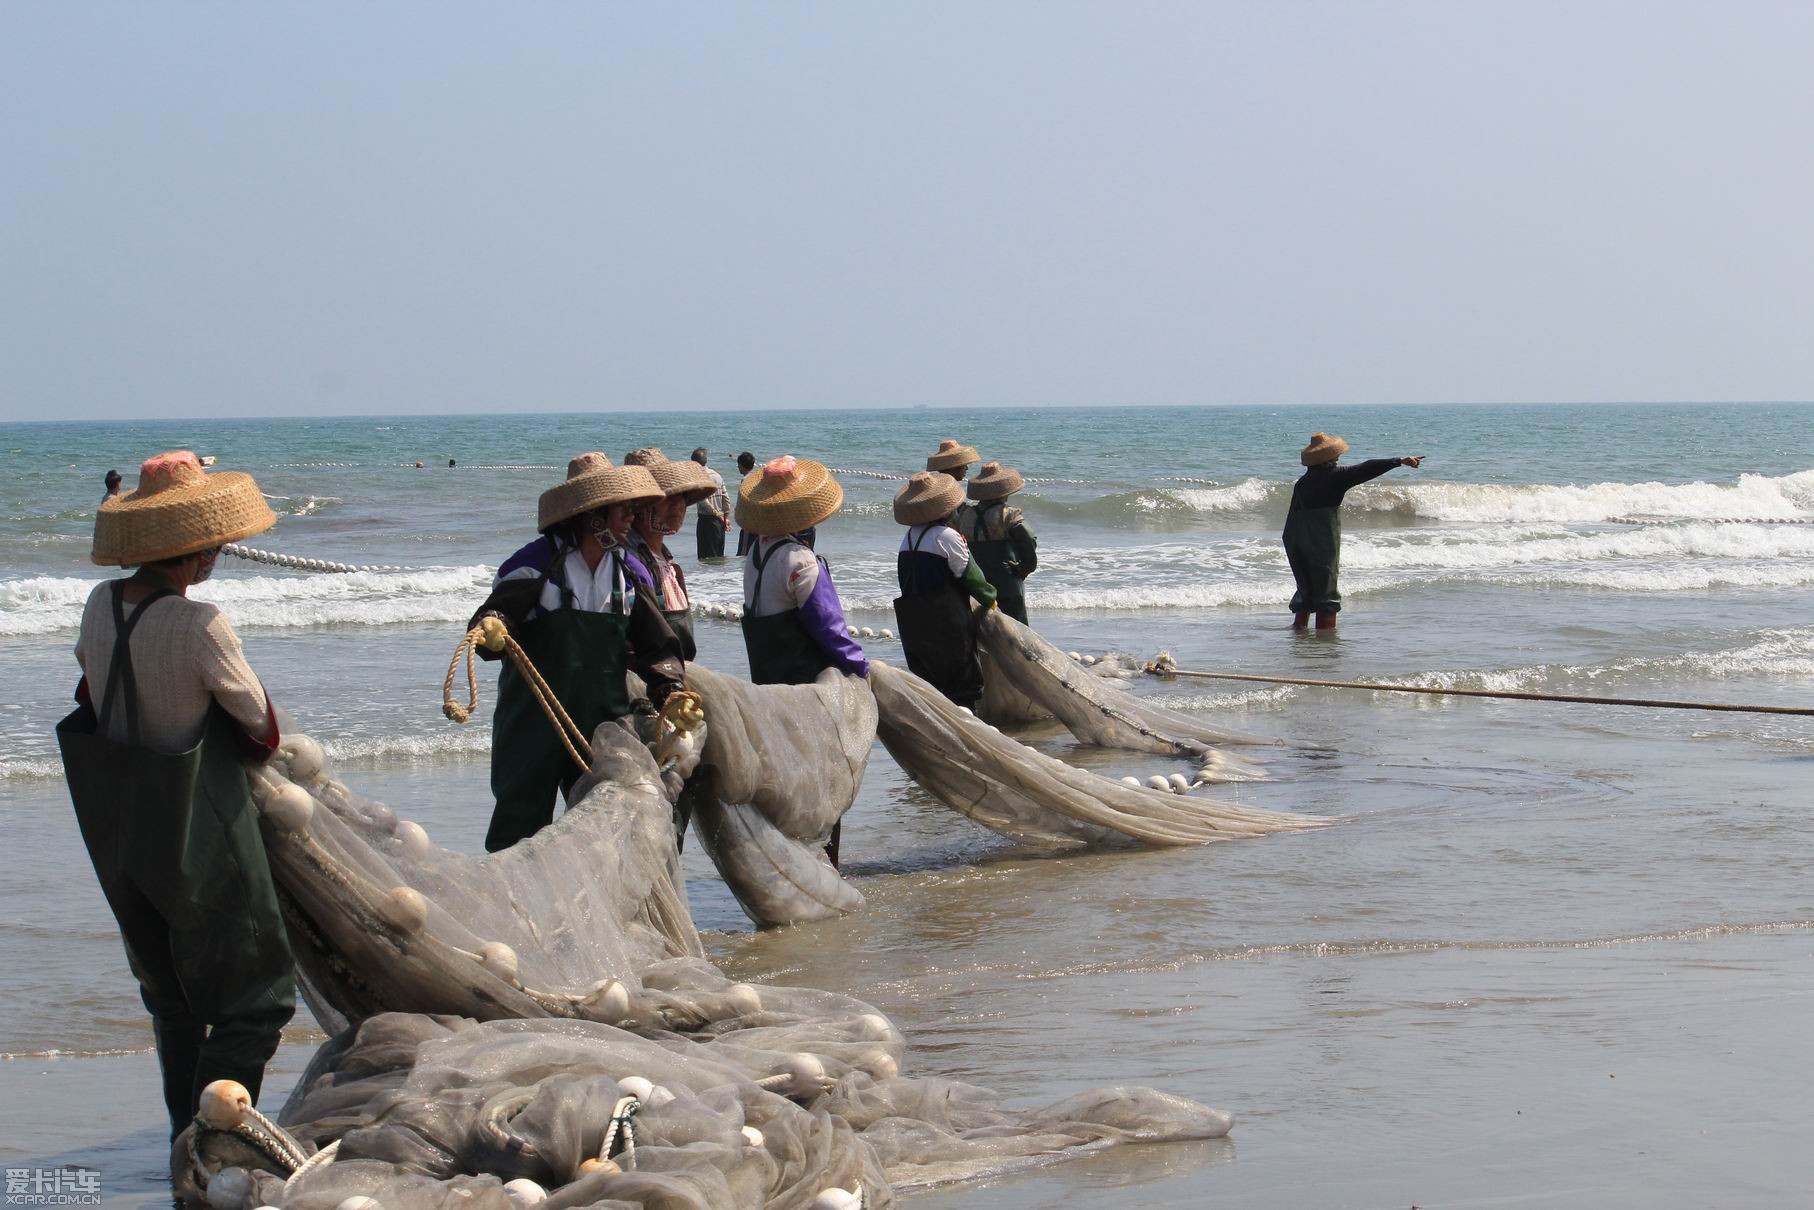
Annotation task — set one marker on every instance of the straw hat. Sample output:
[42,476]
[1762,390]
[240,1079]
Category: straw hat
[952,455]
[995,482]
[592,482]
[786,496]
[928,496]
[178,509]
[685,478]
[1322,448]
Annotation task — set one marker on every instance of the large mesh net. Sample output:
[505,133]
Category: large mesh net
[539,1025]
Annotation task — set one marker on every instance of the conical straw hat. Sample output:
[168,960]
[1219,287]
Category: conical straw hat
[592,482]
[995,482]
[786,496]
[178,509]
[929,496]
[685,478]
[951,455]
[1322,448]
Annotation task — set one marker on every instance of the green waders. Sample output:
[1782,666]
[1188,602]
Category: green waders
[582,657]
[680,621]
[175,843]
[1313,547]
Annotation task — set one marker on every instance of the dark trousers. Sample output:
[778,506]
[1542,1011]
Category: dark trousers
[711,537]
[191,1052]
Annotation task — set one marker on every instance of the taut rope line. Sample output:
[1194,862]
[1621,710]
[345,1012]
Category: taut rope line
[1163,667]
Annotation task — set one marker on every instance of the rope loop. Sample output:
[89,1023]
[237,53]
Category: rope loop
[494,635]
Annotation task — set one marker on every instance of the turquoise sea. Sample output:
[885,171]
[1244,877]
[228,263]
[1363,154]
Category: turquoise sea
[1556,955]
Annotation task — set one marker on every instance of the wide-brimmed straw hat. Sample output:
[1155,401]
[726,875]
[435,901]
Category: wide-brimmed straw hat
[951,455]
[995,482]
[685,478]
[786,496]
[178,509]
[592,482]
[928,496]
[1322,448]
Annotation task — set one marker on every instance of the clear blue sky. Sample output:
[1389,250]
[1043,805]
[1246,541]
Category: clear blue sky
[273,208]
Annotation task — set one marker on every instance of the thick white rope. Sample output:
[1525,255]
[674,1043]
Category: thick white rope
[1712,520]
[320,1159]
[295,563]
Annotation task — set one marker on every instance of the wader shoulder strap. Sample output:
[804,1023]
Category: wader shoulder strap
[762,560]
[119,671]
[916,542]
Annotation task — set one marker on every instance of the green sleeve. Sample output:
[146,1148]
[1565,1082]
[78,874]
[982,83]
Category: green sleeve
[1026,549]
[977,584]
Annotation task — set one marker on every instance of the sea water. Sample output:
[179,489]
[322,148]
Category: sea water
[1553,955]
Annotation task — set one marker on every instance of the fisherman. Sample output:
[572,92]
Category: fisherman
[714,513]
[746,462]
[682,484]
[793,620]
[168,712]
[573,600]
[1001,541]
[938,579]
[112,483]
[954,458]
[1313,526]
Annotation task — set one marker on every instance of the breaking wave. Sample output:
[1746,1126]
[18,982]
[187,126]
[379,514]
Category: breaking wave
[52,604]
[1766,497]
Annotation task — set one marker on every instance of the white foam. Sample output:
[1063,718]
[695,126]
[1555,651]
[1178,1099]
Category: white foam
[1487,549]
[1785,497]
[50,604]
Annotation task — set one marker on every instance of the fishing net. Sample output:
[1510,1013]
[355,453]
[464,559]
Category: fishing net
[544,1015]
[781,765]
[1097,711]
[974,769]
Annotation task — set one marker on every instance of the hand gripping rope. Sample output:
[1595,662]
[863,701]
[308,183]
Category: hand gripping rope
[681,713]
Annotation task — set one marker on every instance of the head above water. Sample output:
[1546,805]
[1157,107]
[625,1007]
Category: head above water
[746,462]
[699,455]
[112,481]
[1322,449]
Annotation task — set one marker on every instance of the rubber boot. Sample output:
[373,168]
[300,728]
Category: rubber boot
[1300,620]
[1325,621]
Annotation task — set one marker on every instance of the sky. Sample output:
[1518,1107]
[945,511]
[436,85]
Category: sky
[291,209]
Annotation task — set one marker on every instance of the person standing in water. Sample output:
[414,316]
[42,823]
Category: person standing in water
[168,712]
[683,484]
[1313,526]
[574,600]
[793,619]
[938,581]
[1001,541]
[953,458]
[746,462]
[714,512]
[111,484]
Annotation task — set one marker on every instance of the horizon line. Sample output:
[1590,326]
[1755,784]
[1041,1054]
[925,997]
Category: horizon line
[941,407]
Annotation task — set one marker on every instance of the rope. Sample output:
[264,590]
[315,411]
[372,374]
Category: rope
[321,1158]
[1162,667]
[1711,520]
[623,1119]
[492,633]
[295,563]
[680,715]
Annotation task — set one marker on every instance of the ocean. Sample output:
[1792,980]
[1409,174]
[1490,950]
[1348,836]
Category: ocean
[1554,954]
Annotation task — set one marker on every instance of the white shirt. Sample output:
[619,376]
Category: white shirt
[946,541]
[592,590]
[787,581]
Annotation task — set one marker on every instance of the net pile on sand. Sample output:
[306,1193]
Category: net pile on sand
[543,1015]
